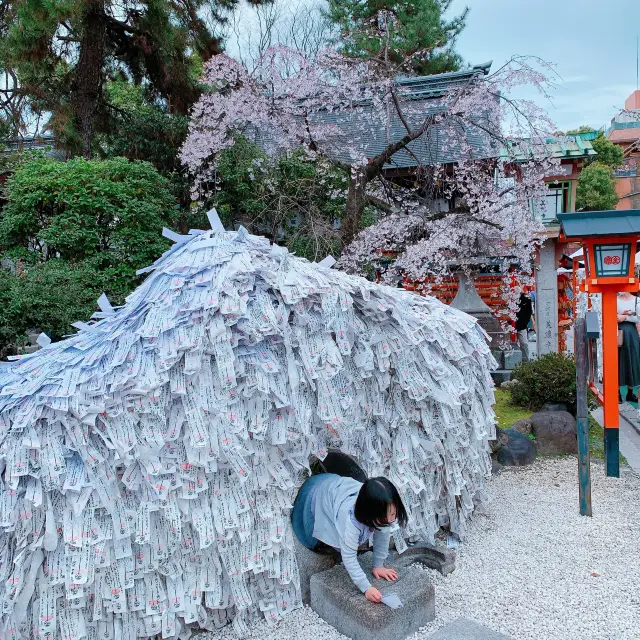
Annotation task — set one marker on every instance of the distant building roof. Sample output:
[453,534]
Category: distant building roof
[573,147]
[630,134]
[45,142]
[587,135]
[625,127]
[371,139]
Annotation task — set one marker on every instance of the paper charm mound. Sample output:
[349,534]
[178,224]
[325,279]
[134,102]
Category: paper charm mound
[149,463]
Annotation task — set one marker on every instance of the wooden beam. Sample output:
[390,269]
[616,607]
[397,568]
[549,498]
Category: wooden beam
[582,417]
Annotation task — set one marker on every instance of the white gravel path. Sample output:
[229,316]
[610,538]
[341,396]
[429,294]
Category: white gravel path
[532,567]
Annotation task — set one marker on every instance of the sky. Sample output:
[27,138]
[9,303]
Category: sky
[591,42]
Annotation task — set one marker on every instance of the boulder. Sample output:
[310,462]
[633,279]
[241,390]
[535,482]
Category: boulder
[513,449]
[556,432]
[523,425]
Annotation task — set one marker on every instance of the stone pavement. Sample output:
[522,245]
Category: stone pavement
[629,433]
[463,629]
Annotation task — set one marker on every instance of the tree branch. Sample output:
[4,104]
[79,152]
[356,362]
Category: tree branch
[378,203]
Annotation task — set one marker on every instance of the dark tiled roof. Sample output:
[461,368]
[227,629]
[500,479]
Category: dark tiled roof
[368,135]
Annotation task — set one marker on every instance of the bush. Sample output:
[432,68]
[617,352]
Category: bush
[49,296]
[110,210]
[551,378]
[73,230]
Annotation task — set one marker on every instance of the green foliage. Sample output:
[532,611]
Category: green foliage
[506,412]
[75,229]
[550,378]
[417,32]
[50,296]
[609,154]
[596,188]
[64,51]
[581,129]
[110,212]
[289,199]
[142,128]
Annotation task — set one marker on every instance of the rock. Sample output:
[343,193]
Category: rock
[555,432]
[498,354]
[463,629]
[439,558]
[514,449]
[339,602]
[496,468]
[524,426]
[309,564]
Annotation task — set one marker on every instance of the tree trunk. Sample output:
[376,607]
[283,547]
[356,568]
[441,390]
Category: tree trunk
[87,84]
[356,202]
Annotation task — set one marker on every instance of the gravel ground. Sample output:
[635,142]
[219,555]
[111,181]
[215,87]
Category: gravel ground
[531,566]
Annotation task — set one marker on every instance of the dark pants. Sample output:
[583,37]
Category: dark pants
[629,356]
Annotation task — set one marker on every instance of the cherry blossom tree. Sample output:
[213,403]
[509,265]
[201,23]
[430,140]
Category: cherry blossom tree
[333,107]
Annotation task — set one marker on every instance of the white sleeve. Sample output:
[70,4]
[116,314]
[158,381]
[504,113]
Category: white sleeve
[381,538]
[349,552]
[351,564]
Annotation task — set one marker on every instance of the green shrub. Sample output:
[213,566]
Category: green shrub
[551,378]
[108,211]
[73,230]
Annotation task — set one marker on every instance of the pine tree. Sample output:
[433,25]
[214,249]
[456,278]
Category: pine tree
[412,35]
[65,51]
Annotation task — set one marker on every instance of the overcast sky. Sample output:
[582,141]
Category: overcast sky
[592,42]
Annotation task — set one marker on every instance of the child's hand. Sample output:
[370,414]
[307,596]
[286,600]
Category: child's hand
[373,595]
[385,574]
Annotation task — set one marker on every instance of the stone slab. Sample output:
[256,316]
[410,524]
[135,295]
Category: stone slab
[500,376]
[547,299]
[512,359]
[463,629]
[310,563]
[498,354]
[339,602]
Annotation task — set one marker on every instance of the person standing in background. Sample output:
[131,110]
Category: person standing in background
[523,318]
[628,345]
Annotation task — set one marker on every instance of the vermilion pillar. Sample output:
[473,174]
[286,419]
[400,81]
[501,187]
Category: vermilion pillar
[611,387]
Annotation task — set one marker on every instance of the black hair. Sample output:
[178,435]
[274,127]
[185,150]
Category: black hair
[374,499]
